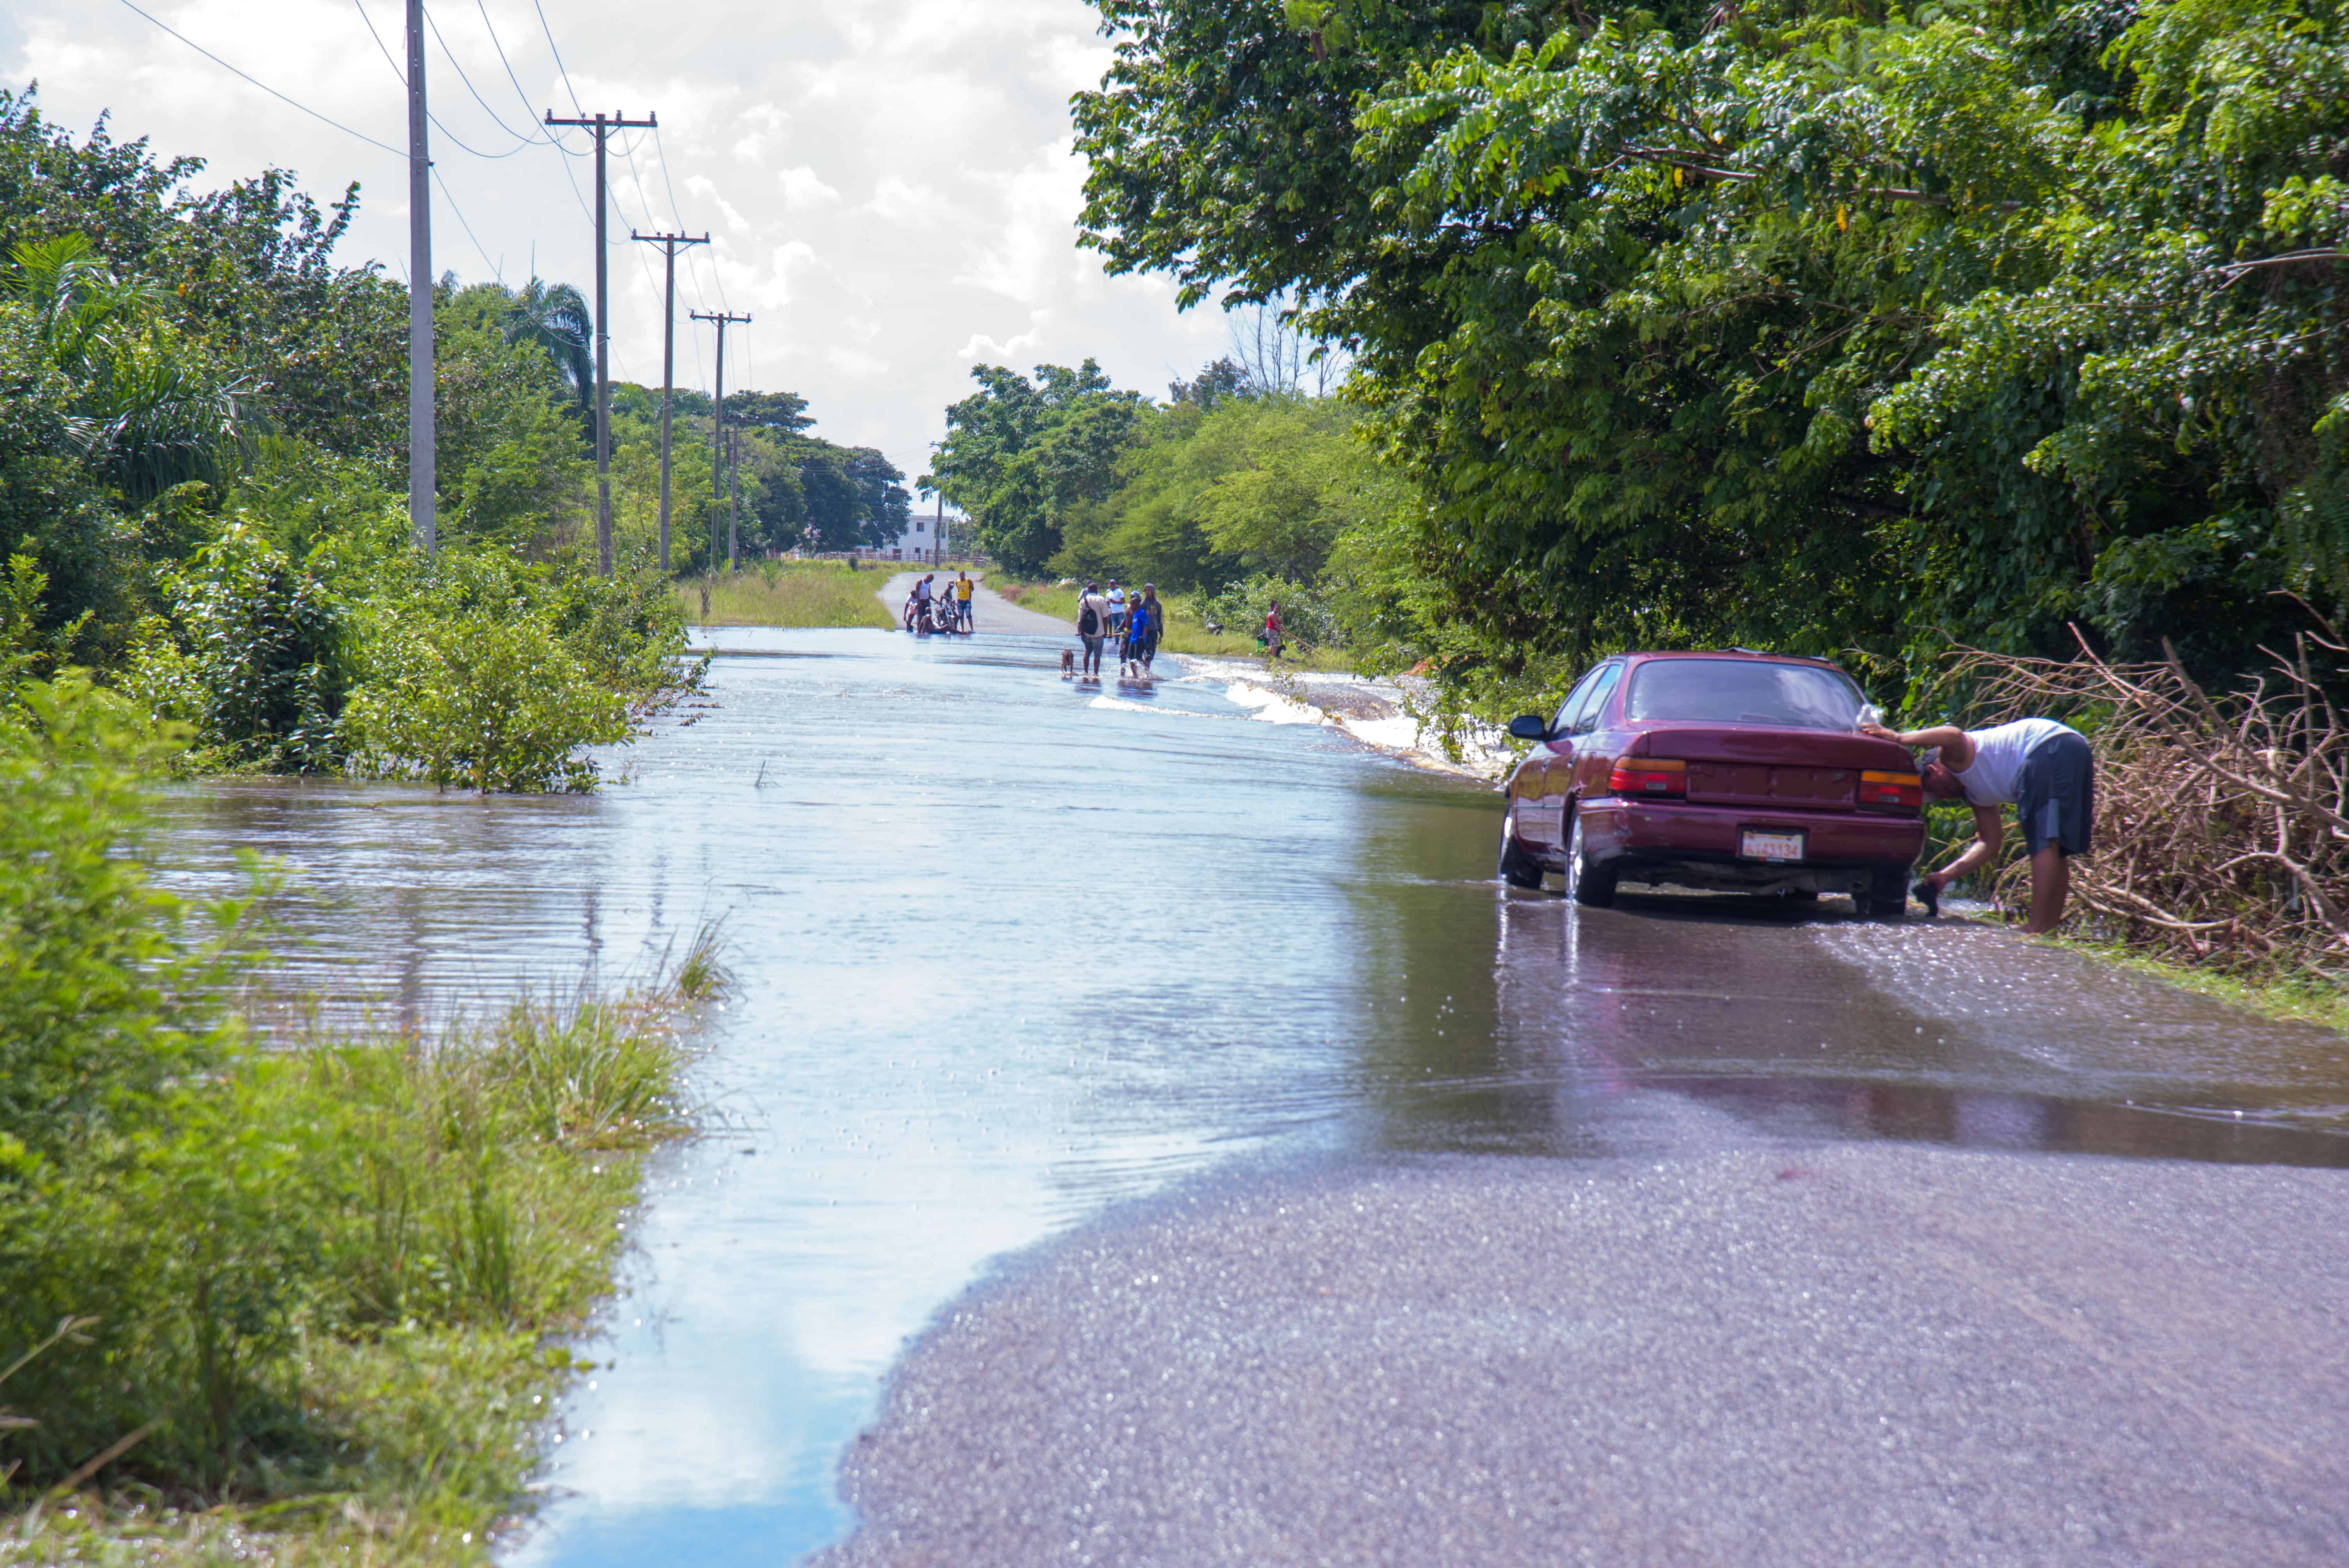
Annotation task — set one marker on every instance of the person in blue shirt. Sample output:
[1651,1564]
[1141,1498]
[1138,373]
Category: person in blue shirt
[1135,654]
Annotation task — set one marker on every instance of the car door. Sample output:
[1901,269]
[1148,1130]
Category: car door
[1534,802]
[1583,763]
[1551,790]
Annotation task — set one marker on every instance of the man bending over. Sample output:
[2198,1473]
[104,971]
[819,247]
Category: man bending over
[2041,768]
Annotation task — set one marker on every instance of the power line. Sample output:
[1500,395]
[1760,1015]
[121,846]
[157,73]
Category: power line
[495,270]
[556,143]
[525,138]
[401,77]
[558,60]
[661,150]
[264,87]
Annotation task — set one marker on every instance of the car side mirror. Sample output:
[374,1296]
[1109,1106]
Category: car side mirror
[1529,727]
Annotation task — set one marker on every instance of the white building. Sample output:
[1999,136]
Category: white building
[922,540]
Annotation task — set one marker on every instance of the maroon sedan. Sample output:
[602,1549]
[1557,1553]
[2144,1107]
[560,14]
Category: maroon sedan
[1736,771]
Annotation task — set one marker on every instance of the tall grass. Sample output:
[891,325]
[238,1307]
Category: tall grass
[331,1319]
[787,593]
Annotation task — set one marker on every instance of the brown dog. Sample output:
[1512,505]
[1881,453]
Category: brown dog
[1067,662]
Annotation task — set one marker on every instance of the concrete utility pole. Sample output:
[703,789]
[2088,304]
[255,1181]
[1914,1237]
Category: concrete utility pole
[602,126]
[718,425]
[734,500]
[938,530]
[668,244]
[422,524]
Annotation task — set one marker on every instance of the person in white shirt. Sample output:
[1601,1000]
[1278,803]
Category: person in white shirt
[2044,769]
[1116,609]
[1092,625]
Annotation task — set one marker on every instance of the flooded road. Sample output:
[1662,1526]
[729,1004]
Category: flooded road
[1012,954]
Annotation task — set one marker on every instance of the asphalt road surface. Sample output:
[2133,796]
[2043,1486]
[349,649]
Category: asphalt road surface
[1722,1308]
[990,611]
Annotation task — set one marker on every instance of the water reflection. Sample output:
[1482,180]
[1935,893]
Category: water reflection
[1010,949]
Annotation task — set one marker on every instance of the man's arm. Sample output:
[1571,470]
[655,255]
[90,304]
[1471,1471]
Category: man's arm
[1957,750]
[1989,832]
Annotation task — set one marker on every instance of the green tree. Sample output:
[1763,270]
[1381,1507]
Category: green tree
[1020,456]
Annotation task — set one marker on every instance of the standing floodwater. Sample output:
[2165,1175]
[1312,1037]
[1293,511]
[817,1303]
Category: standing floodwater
[1008,949]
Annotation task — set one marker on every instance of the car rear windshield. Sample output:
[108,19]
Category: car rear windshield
[1744,691]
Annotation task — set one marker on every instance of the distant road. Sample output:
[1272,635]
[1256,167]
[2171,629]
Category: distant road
[990,611]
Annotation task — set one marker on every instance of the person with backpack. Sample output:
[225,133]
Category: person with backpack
[1092,625]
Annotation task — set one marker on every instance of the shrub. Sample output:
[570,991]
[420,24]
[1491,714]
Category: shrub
[1304,619]
[253,655]
[488,674]
[242,1261]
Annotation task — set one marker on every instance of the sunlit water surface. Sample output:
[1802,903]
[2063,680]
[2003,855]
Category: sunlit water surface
[1008,949]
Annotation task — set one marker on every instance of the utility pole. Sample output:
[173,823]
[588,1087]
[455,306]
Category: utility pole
[421,524]
[668,244]
[734,499]
[938,530]
[602,126]
[718,424]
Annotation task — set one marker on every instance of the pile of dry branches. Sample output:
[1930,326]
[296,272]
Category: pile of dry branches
[2222,821]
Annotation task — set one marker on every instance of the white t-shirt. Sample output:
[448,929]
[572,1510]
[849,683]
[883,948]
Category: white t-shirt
[922,589]
[1996,777]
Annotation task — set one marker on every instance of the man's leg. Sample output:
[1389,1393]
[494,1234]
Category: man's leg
[2051,882]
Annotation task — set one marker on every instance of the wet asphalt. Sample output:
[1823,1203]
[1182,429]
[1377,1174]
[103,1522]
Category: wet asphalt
[1806,1248]
[1849,1354]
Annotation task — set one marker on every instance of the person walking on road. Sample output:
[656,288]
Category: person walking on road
[1157,613]
[1092,625]
[1272,643]
[2044,769]
[962,586]
[1116,609]
[1133,654]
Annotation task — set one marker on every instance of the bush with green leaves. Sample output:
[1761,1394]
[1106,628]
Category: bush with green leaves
[491,675]
[281,1277]
[252,654]
[1304,619]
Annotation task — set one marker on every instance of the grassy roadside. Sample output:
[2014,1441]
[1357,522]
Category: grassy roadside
[1184,634]
[261,1303]
[2306,1001]
[787,593]
[441,1215]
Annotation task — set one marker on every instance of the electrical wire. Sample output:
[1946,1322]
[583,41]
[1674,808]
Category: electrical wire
[554,135]
[559,66]
[700,371]
[535,134]
[264,87]
[401,77]
[495,270]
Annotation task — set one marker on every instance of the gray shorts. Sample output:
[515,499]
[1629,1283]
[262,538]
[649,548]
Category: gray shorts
[2055,799]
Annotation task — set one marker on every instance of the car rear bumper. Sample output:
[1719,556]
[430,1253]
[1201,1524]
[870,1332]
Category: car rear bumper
[1648,830]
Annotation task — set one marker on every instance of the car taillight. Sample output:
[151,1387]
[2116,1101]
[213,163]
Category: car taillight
[1891,790]
[1649,776]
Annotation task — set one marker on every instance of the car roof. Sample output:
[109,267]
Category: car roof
[1738,654]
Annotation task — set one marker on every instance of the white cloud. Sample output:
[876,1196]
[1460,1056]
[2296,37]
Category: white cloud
[804,188]
[890,182]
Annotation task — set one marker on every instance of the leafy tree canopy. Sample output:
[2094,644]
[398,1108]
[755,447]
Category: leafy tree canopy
[1820,326]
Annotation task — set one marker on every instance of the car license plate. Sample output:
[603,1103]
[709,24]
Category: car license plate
[1756,845]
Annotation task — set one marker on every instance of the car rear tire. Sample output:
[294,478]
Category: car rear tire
[1888,893]
[1587,881]
[1518,868]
